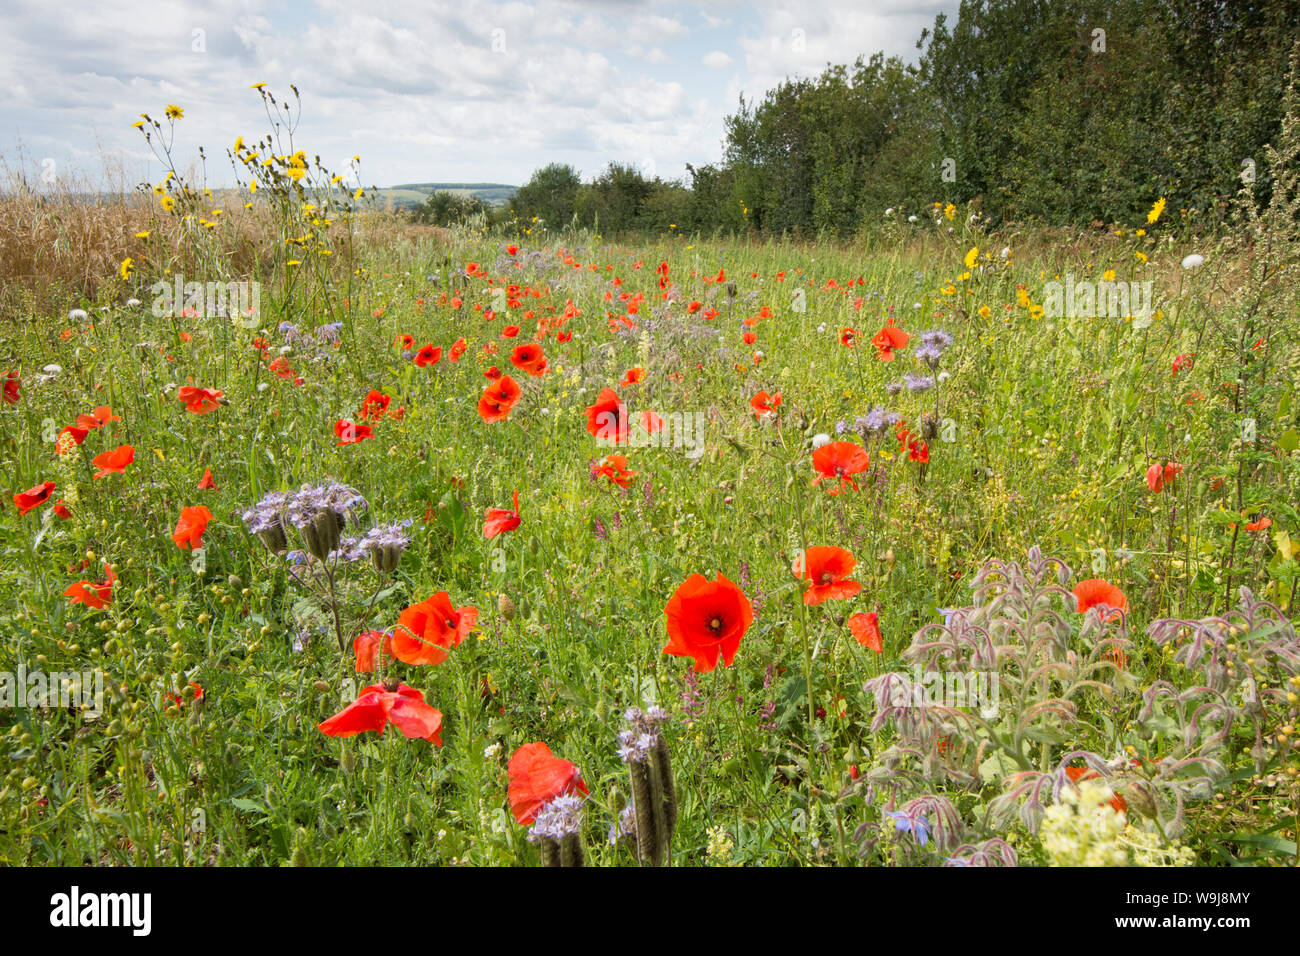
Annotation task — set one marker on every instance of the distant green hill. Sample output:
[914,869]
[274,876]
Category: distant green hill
[413,194]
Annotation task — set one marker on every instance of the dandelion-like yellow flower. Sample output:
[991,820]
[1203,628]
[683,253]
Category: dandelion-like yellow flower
[175,112]
[1156,210]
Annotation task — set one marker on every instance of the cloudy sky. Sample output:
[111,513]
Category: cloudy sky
[424,91]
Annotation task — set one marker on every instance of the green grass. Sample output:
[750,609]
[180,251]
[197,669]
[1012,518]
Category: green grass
[1053,426]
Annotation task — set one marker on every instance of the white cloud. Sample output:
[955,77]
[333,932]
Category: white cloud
[717,60]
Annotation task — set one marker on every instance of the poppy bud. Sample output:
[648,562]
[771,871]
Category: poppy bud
[348,761]
[505,607]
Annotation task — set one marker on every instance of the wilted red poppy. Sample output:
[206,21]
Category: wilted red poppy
[11,385]
[428,355]
[375,405]
[189,529]
[33,497]
[200,401]
[95,596]
[607,419]
[765,405]
[888,339]
[498,520]
[378,706]
[206,483]
[1097,592]
[1076,774]
[707,619]
[828,568]
[367,645]
[838,460]
[866,629]
[349,432]
[425,629]
[529,358]
[498,399]
[113,462]
[537,777]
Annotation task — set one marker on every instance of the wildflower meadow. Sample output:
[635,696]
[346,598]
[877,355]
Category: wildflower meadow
[329,539]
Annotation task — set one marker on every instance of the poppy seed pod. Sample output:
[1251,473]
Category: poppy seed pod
[505,607]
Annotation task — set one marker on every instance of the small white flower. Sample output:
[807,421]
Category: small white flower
[286,349]
[491,750]
[1194,261]
[911,218]
[889,211]
[53,369]
[944,376]
[821,438]
[263,386]
[822,327]
[546,411]
[76,315]
[1006,251]
[132,303]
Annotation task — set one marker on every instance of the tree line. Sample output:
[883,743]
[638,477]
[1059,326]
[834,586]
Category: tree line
[1066,112]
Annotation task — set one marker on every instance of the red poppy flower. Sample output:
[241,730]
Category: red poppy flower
[11,385]
[367,645]
[200,401]
[498,399]
[405,341]
[848,337]
[499,520]
[98,418]
[189,529]
[918,450]
[281,367]
[95,596]
[458,348]
[33,497]
[511,249]
[1157,476]
[349,432]
[509,332]
[765,405]
[537,777]
[424,630]
[1097,592]
[1259,525]
[375,405]
[633,376]
[61,510]
[888,339]
[707,619]
[529,358]
[113,462]
[838,460]
[828,568]
[428,355]
[1076,774]
[378,706]
[1181,362]
[607,419]
[866,629]
[614,467]
[206,483]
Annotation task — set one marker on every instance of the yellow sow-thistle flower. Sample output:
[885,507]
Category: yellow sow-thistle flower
[949,210]
[1141,256]
[174,112]
[252,186]
[142,235]
[972,257]
[128,266]
[1156,210]
[257,86]
[1108,275]
[358,194]
[985,312]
